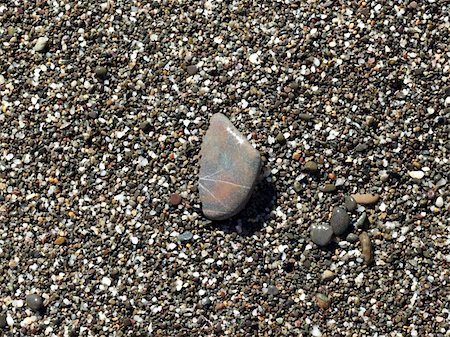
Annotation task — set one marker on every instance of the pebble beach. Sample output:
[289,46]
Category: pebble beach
[103,110]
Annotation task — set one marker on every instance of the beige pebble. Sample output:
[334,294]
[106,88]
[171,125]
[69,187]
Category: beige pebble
[59,241]
[366,248]
[327,275]
[366,198]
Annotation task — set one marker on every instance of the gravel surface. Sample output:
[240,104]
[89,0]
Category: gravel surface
[103,110]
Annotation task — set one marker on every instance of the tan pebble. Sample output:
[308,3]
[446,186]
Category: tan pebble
[327,275]
[366,198]
[296,156]
[59,241]
[366,248]
[323,301]
[220,306]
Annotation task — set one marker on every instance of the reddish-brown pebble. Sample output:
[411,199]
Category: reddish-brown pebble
[175,199]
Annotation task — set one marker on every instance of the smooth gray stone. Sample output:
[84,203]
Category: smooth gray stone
[321,234]
[35,302]
[350,203]
[339,220]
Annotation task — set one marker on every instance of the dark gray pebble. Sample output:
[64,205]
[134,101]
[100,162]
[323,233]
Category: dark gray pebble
[35,302]
[145,126]
[93,114]
[272,290]
[361,147]
[352,238]
[191,70]
[3,322]
[101,71]
[361,221]
[280,138]
[350,203]
[339,220]
[321,234]
[305,117]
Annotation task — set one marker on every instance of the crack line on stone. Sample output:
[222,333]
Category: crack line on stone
[220,202]
[212,174]
[226,182]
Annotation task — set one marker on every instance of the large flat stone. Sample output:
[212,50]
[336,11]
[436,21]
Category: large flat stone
[229,167]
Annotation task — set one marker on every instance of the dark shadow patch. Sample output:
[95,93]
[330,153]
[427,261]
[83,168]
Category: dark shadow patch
[257,211]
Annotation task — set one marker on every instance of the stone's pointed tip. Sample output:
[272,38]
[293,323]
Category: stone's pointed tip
[229,167]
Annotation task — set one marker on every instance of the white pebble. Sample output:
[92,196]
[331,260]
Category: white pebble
[134,240]
[106,281]
[10,321]
[416,174]
[316,332]
[171,246]
[439,202]
[254,58]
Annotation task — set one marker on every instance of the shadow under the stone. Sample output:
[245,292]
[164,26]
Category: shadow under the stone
[251,219]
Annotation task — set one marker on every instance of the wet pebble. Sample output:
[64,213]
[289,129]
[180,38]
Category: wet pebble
[321,234]
[350,203]
[101,71]
[339,220]
[35,302]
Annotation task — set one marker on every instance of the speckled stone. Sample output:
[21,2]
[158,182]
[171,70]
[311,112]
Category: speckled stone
[339,220]
[321,234]
[229,166]
[35,302]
